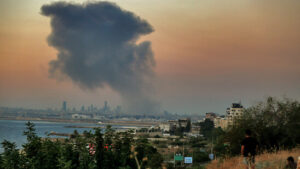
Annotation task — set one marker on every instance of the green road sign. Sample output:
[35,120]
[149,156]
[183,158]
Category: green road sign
[178,157]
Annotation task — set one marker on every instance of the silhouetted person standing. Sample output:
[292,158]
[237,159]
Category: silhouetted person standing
[248,149]
[291,163]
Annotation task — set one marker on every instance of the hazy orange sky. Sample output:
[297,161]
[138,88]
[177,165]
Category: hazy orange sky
[208,54]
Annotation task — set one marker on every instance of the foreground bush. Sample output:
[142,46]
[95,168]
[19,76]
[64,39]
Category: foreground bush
[110,150]
[274,122]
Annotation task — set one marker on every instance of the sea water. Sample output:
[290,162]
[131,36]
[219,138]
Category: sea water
[12,130]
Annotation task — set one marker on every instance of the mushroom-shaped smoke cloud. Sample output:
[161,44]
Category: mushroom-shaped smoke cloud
[97,47]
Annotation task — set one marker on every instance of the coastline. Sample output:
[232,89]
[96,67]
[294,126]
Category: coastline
[112,123]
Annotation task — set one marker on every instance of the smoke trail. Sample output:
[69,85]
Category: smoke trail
[97,46]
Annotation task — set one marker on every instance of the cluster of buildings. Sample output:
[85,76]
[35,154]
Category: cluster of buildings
[107,113]
[166,123]
[89,113]
[185,126]
[182,126]
[234,112]
[89,109]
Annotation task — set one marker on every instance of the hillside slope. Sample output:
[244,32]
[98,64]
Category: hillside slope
[263,161]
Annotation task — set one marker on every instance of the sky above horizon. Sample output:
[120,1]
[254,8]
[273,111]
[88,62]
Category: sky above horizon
[208,54]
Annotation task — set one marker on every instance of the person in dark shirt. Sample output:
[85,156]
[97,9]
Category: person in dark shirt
[290,163]
[248,149]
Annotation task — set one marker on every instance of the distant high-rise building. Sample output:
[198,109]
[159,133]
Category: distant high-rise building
[105,108]
[235,111]
[82,108]
[64,106]
[105,105]
[118,109]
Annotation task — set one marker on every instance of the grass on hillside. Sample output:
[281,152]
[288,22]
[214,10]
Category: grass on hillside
[264,161]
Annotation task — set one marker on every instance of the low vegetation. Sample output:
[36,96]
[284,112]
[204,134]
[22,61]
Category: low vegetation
[87,151]
[268,160]
[274,123]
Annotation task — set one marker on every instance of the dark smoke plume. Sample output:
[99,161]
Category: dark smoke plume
[97,46]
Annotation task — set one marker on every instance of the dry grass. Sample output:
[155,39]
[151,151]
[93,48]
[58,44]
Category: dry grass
[263,161]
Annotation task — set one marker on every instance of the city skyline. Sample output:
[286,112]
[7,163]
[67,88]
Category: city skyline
[208,55]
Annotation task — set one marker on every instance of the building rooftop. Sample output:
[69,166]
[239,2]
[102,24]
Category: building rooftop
[236,105]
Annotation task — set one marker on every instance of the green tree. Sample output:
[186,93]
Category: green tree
[1,161]
[11,158]
[81,150]
[50,152]
[188,126]
[126,149]
[206,128]
[199,157]
[112,150]
[109,136]
[99,149]
[197,142]
[33,148]
[274,122]
[69,158]
[147,155]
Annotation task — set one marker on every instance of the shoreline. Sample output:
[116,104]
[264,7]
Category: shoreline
[112,123]
[47,120]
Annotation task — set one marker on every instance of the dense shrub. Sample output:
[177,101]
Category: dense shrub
[87,151]
[275,124]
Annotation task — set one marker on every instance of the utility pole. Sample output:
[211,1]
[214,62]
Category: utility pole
[182,162]
[211,147]
[174,156]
